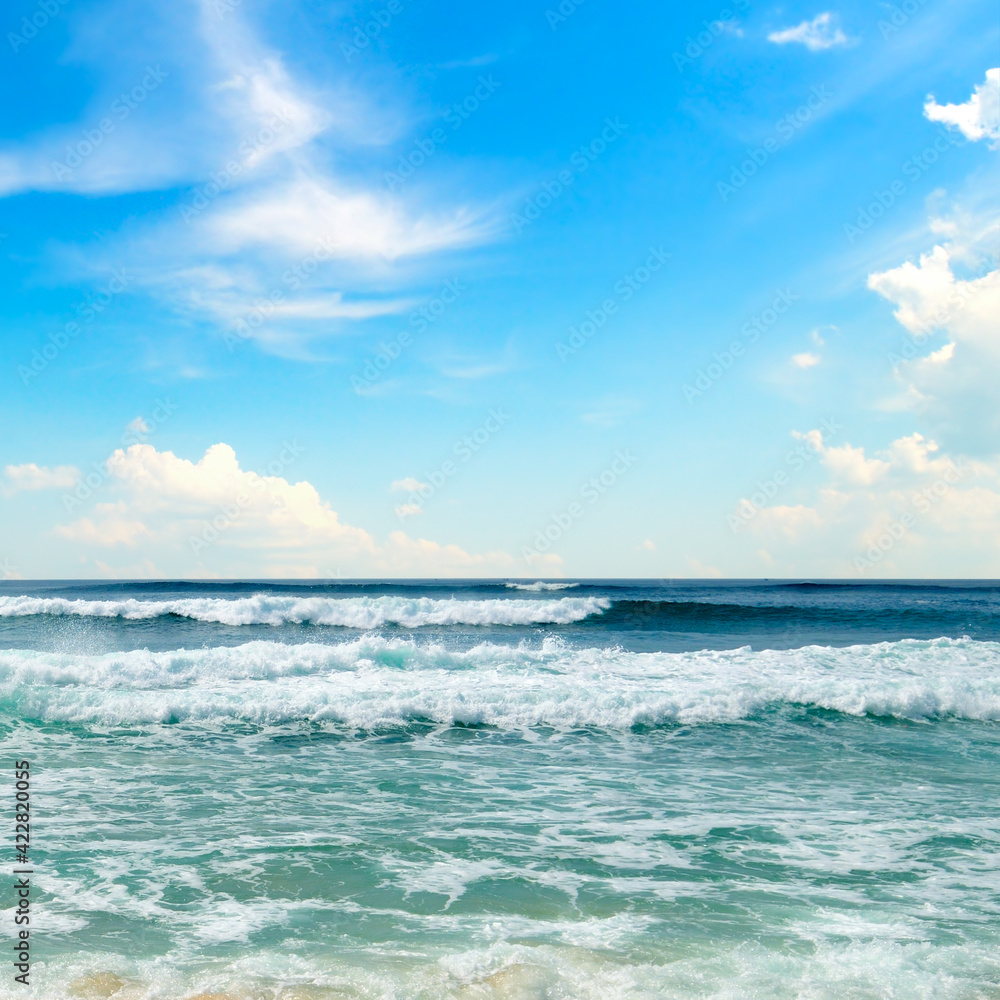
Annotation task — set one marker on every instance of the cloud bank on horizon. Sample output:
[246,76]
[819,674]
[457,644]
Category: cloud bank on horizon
[461,270]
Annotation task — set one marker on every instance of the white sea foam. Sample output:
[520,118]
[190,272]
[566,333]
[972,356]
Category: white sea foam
[540,585]
[349,612]
[505,970]
[374,682]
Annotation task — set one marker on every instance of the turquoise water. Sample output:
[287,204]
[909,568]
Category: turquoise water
[557,800]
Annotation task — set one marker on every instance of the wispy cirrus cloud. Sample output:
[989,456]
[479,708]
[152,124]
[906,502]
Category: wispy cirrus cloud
[265,206]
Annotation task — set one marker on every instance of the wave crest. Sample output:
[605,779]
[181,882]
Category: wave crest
[375,682]
[347,612]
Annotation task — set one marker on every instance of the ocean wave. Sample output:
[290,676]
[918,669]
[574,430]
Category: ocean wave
[540,585]
[375,682]
[348,612]
[543,608]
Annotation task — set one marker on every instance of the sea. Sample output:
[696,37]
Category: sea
[583,790]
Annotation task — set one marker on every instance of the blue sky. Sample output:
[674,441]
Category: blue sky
[318,289]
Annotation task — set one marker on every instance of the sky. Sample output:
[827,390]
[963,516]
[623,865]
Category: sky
[400,289]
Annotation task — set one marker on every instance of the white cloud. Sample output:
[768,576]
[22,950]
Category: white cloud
[979,117]
[930,297]
[300,214]
[267,156]
[819,33]
[212,94]
[333,306]
[214,518]
[407,485]
[912,455]
[953,383]
[137,426]
[926,513]
[806,360]
[849,464]
[730,27]
[38,477]
[403,556]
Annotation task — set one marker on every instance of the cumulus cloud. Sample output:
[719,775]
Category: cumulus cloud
[850,464]
[908,507]
[212,517]
[819,33]
[953,383]
[979,117]
[38,477]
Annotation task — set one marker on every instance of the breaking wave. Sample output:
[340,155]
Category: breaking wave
[375,682]
[348,612]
